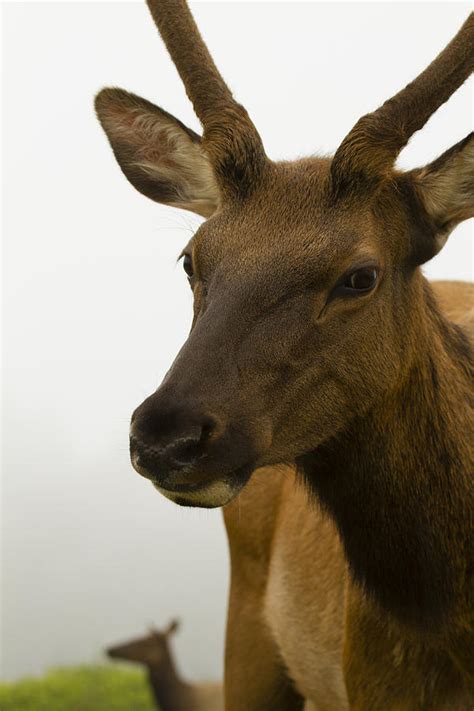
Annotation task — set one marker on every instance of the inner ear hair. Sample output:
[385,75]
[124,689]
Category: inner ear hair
[159,155]
[446,189]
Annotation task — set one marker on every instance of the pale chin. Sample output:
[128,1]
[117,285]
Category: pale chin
[216,493]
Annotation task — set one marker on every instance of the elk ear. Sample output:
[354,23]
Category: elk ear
[172,627]
[446,190]
[159,155]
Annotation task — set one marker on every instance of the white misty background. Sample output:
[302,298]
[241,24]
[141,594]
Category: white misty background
[96,307]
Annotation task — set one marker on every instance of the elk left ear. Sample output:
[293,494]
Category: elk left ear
[446,189]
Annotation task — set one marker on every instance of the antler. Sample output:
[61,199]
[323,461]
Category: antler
[372,146]
[230,138]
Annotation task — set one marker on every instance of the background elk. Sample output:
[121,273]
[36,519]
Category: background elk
[318,344]
[170,691]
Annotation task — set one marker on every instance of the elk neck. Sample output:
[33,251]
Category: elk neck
[396,482]
[170,691]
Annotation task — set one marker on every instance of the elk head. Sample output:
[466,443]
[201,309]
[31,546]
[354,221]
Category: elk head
[305,275]
[151,650]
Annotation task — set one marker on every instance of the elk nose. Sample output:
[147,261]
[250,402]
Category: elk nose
[165,439]
[176,454]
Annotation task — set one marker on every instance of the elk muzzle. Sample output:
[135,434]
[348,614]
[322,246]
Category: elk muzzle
[192,456]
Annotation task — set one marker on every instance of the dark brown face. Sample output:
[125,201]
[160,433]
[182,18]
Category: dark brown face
[149,650]
[296,330]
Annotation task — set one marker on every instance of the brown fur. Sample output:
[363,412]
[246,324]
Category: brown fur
[303,614]
[170,691]
[337,420]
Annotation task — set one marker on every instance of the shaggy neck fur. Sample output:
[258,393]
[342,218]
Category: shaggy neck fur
[397,484]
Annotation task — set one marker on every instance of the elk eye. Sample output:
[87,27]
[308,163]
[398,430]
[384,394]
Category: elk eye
[188,265]
[361,280]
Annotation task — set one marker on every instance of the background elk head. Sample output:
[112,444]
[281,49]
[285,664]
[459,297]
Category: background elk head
[308,300]
[152,650]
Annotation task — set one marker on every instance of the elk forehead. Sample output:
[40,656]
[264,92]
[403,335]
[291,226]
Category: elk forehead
[288,225]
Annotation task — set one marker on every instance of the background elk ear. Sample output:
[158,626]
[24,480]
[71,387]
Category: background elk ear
[446,190]
[172,627]
[159,155]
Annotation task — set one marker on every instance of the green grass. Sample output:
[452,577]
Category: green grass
[79,689]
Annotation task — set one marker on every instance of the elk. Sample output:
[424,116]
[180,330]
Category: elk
[324,394]
[170,692]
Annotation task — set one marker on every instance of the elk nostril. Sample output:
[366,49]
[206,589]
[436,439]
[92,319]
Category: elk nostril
[207,430]
[193,445]
[185,452]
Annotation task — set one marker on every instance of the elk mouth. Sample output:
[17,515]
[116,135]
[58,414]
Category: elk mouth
[194,488]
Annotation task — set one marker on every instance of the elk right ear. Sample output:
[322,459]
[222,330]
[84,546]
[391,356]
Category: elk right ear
[159,155]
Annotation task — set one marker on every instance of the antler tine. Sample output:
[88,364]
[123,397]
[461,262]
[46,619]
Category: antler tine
[231,139]
[372,146]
